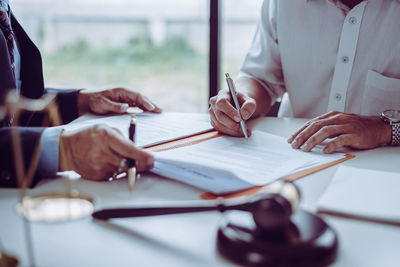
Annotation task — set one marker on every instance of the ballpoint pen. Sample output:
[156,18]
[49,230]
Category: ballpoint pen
[131,162]
[232,90]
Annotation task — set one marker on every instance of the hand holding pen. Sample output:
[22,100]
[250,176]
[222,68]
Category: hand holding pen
[230,109]
[232,91]
[99,152]
[131,162]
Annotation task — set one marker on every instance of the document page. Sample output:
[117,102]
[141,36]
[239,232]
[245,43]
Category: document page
[227,164]
[155,129]
[151,128]
[363,194]
[120,122]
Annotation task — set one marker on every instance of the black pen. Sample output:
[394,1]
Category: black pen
[131,162]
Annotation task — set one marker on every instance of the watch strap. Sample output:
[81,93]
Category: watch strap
[395,134]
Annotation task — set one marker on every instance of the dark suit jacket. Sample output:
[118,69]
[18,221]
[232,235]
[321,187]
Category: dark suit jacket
[32,86]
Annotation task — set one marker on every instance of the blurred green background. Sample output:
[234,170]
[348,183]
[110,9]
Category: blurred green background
[140,65]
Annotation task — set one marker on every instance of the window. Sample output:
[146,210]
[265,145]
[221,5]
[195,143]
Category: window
[158,47]
[238,25]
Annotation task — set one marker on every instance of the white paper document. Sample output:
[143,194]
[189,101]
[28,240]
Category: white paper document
[363,194]
[151,128]
[226,164]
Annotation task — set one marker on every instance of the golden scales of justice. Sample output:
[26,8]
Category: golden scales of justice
[49,207]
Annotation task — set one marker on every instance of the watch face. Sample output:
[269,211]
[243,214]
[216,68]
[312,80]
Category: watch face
[392,114]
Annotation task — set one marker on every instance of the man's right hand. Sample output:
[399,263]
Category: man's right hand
[224,116]
[96,152]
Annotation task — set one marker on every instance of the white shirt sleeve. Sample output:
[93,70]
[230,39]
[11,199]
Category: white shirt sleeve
[263,61]
[48,161]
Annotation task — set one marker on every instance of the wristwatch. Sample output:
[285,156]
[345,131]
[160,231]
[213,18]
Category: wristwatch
[392,117]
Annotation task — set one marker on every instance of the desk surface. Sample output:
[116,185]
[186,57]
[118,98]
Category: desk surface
[188,239]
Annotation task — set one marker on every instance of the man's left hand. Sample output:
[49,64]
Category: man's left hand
[360,132]
[115,100]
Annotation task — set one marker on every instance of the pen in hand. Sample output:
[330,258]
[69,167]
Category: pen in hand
[131,162]
[232,91]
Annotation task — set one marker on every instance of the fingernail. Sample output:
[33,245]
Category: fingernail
[124,107]
[289,140]
[294,144]
[236,118]
[245,114]
[304,148]
[150,106]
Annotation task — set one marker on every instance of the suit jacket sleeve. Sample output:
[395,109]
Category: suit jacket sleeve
[30,137]
[32,86]
[67,101]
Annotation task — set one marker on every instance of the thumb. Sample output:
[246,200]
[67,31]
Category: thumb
[111,106]
[248,106]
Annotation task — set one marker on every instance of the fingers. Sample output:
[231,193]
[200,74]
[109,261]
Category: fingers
[96,152]
[223,104]
[307,132]
[222,118]
[217,125]
[248,106]
[314,125]
[134,99]
[225,117]
[126,149]
[114,160]
[111,106]
[339,142]
[321,135]
[145,104]
[356,131]
[324,116]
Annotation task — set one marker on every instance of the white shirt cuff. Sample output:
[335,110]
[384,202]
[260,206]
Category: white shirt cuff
[48,161]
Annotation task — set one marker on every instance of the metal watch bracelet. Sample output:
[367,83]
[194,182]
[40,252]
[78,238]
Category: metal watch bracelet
[395,134]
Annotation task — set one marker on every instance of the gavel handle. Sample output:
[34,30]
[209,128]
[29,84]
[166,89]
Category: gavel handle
[106,214]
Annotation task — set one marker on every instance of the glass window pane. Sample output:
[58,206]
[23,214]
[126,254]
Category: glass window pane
[158,47]
[239,22]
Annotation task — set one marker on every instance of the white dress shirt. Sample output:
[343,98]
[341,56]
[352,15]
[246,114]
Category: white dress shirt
[327,56]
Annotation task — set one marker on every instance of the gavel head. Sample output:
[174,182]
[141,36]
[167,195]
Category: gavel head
[272,208]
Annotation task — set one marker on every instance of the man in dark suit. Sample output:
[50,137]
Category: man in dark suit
[95,152]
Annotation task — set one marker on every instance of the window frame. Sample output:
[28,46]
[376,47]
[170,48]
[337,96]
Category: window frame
[214,48]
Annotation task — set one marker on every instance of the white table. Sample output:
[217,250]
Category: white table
[188,239]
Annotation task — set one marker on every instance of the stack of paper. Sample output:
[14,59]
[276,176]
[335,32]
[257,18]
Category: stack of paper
[227,164]
[363,194]
[151,128]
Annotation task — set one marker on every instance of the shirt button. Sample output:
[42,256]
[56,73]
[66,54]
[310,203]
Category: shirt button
[338,97]
[352,20]
[345,59]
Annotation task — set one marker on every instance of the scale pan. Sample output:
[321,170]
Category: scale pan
[52,208]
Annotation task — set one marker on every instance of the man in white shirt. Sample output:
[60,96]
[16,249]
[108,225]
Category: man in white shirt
[339,62]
